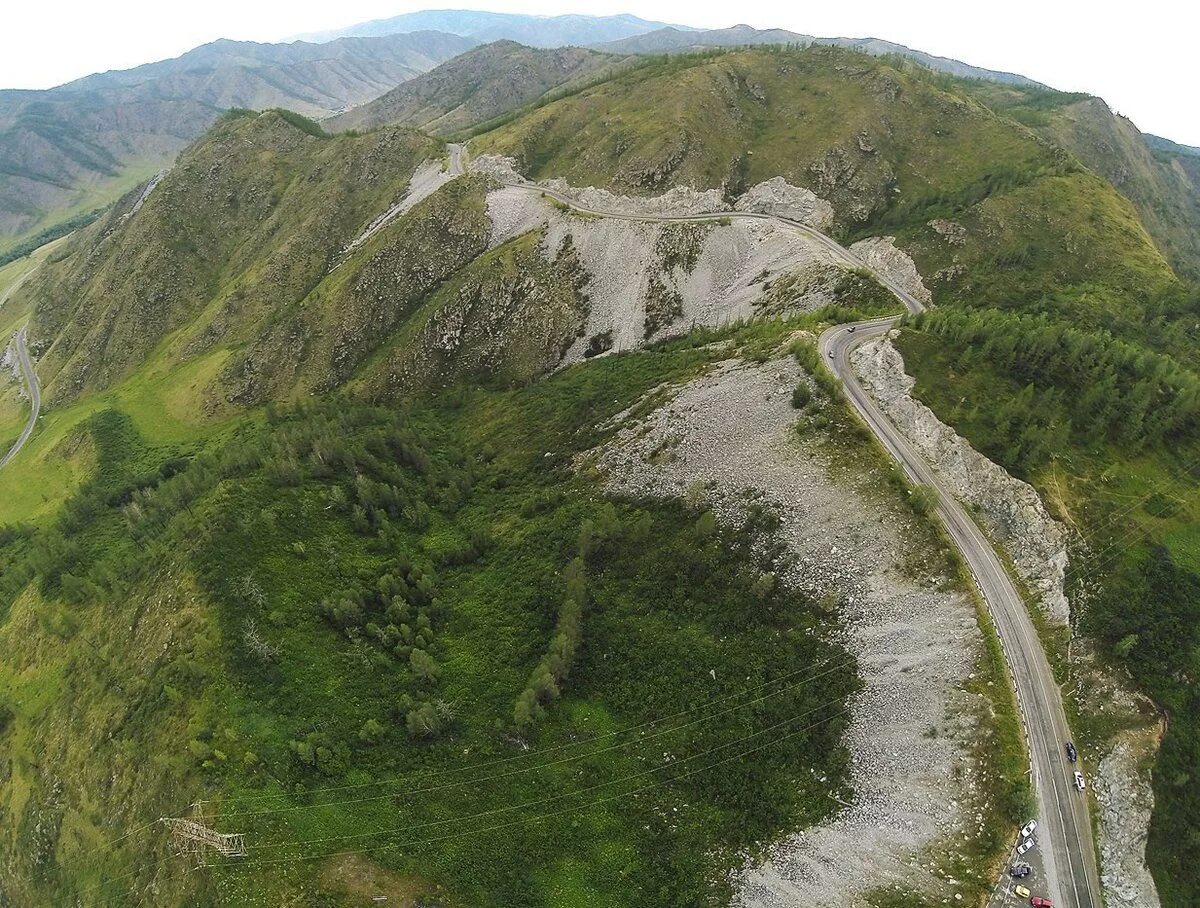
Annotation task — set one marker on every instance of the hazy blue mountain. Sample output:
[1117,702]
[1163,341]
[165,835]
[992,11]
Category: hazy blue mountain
[535,31]
[477,86]
[1158,143]
[80,145]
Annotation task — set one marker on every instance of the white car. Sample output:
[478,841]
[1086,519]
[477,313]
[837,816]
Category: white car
[1025,846]
[1028,828]
[1079,782]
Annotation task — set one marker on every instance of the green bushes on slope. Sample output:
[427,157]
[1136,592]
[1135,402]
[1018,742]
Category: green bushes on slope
[382,585]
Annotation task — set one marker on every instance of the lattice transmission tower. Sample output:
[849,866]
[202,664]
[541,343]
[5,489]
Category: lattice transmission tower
[195,836]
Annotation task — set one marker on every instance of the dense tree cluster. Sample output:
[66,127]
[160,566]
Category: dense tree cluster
[1086,384]
[545,683]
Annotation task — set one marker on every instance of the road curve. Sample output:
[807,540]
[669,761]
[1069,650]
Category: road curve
[35,393]
[1065,831]
[31,380]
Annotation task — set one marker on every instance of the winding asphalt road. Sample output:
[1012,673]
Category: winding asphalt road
[20,342]
[1065,831]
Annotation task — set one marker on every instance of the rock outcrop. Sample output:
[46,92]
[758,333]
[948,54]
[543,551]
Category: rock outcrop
[1011,509]
[880,253]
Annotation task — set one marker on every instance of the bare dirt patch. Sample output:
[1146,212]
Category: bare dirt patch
[640,288]
[355,880]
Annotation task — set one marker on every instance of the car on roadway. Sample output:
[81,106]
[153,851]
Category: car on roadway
[1039,901]
[850,330]
[1027,845]
[831,354]
[1072,753]
[1028,828]
[1019,871]
[1079,781]
[1021,892]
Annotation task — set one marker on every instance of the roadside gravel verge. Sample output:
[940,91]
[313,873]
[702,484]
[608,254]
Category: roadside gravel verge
[731,433]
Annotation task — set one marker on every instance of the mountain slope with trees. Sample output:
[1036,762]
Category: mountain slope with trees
[1162,180]
[277,538]
[77,147]
[476,86]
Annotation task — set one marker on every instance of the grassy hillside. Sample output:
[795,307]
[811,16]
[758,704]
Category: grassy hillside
[72,149]
[863,134]
[1158,183]
[476,86]
[324,627]
[241,224]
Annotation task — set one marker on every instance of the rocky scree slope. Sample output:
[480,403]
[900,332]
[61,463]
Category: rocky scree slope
[731,432]
[648,281]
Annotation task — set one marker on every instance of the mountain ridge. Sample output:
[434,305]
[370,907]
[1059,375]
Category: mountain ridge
[79,146]
[673,39]
[536,31]
[475,87]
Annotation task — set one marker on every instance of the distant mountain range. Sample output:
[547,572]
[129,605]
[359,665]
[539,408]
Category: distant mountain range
[80,145]
[77,147]
[673,39]
[476,86]
[535,31]
[1158,143]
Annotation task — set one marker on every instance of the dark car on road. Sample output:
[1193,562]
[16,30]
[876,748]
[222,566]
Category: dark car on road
[1019,871]
[1072,754]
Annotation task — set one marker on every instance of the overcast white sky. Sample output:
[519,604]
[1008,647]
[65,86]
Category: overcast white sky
[1139,57]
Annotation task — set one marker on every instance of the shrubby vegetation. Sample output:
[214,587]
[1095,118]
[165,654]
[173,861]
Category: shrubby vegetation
[1075,385]
[49,235]
[546,682]
[1105,424]
[389,584]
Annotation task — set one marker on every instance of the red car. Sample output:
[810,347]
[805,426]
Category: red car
[1039,902]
